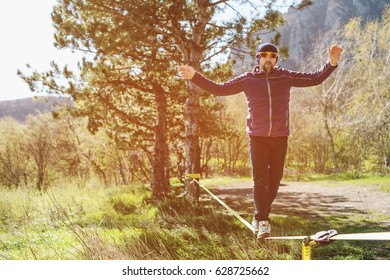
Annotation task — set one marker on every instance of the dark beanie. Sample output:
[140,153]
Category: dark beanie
[266,47]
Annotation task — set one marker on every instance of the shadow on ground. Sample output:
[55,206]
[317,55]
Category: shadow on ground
[309,205]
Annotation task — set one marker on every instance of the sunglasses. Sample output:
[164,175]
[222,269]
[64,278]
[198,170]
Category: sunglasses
[268,54]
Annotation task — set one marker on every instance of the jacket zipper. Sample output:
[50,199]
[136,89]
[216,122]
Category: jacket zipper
[270,104]
[287,117]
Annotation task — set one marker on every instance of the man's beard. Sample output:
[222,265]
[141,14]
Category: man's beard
[267,67]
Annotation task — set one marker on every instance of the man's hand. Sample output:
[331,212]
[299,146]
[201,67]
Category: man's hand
[334,53]
[187,72]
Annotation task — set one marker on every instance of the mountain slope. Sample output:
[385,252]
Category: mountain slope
[20,109]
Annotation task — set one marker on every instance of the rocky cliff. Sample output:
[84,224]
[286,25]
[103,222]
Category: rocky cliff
[321,20]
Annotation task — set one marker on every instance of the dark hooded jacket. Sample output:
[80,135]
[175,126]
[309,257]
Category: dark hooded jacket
[268,95]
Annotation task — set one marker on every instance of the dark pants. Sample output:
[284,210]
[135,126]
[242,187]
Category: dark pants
[267,156]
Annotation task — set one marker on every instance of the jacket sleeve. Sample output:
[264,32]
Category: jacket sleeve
[302,79]
[230,87]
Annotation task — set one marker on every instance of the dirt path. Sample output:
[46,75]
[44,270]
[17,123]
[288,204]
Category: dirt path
[315,200]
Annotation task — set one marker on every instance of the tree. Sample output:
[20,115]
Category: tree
[351,109]
[368,107]
[198,33]
[41,135]
[124,83]
[127,76]
[14,158]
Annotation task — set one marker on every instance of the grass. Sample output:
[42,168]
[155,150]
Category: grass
[352,178]
[94,222]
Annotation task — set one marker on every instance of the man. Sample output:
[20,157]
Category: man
[267,91]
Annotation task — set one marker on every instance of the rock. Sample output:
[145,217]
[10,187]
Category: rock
[322,19]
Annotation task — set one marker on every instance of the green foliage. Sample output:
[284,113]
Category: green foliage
[126,89]
[14,158]
[44,151]
[126,203]
[343,126]
[126,84]
[116,94]
[98,222]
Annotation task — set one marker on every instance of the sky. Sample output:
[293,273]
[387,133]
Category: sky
[27,37]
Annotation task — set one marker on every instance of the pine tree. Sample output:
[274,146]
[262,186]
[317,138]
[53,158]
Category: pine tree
[132,47]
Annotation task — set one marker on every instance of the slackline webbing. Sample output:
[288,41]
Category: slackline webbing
[234,213]
[350,236]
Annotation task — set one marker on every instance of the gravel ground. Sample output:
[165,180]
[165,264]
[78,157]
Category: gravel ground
[314,200]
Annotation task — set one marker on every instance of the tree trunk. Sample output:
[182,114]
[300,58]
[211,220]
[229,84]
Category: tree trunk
[120,172]
[193,55]
[330,136]
[192,148]
[167,166]
[125,166]
[158,184]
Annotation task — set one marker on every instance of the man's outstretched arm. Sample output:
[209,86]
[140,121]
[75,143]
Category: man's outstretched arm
[230,87]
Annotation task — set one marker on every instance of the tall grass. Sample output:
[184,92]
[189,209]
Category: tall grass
[94,222]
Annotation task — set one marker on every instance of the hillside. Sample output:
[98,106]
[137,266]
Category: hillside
[20,109]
